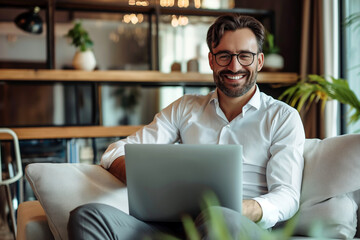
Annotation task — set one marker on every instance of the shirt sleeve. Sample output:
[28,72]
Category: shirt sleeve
[284,171]
[162,130]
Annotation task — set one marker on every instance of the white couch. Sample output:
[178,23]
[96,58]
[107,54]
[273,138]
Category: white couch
[329,196]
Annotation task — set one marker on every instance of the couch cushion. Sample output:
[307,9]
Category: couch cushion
[62,187]
[331,175]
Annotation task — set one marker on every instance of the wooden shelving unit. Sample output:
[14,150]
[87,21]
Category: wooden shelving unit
[154,78]
[131,77]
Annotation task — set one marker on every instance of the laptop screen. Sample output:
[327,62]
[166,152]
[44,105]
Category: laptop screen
[166,181]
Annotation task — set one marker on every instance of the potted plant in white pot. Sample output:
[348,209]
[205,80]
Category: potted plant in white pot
[273,60]
[84,58]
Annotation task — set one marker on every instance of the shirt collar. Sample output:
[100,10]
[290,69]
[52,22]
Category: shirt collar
[214,97]
[254,101]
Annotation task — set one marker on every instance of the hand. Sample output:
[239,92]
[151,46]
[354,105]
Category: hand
[252,210]
[117,168]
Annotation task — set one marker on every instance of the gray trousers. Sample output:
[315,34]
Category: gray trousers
[100,221]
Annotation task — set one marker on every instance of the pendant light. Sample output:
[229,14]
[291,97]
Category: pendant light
[30,21]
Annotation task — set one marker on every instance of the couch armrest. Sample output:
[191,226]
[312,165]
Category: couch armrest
[32,223]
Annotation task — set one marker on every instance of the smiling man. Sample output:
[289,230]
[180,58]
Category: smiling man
[231,79]
[235,78]
[270,132]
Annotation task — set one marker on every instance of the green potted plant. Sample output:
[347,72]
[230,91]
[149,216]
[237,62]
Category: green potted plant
[84,58]
[315,88]
[273,60]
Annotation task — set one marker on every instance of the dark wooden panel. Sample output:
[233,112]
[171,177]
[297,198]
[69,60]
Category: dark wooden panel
[22,65]
[287,27]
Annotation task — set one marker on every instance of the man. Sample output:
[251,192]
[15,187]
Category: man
[270,131]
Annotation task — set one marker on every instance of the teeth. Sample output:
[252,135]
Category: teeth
[234,77]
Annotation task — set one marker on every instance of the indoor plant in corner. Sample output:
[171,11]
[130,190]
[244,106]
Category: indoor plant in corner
[314,88]
[84,58]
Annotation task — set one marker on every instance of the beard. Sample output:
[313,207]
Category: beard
[235,90]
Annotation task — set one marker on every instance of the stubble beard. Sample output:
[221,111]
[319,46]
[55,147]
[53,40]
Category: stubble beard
[235,90]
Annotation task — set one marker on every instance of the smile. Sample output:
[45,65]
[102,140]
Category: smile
[235,77]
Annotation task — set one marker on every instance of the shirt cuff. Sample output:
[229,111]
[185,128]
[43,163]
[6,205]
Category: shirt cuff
[270,213]
[114,151]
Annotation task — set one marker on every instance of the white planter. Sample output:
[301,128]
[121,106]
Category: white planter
[273,62]
[84,60]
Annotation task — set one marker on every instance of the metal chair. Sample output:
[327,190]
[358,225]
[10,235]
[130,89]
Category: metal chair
[12,177]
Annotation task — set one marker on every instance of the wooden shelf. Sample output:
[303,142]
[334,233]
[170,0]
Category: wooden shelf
[128,77]
[140,77]
[71,132]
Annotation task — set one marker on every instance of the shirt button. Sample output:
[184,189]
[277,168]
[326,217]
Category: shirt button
[228,126]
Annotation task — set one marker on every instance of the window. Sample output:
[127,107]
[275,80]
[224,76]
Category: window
[351,56]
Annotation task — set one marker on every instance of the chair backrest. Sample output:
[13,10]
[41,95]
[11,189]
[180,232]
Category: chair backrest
[19,173]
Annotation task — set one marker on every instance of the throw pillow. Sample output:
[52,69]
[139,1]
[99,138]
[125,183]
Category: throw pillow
[331,173]
[62,187]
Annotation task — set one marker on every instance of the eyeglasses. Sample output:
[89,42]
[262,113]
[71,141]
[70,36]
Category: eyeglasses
[224,59]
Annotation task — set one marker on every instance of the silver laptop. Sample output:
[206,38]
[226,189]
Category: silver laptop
[165,181]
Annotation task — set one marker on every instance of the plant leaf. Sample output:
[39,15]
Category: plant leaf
[79,37]
[190,229]
[315,88]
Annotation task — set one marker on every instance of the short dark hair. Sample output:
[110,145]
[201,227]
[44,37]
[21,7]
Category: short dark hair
[234,22]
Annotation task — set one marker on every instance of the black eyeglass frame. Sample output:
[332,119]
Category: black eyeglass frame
[237,57]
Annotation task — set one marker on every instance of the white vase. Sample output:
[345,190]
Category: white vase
[84,60]
[273,62]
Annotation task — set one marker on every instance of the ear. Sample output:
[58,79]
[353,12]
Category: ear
[211,58]
[260,61]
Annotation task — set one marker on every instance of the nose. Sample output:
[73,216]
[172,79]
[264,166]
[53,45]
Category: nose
[234,65]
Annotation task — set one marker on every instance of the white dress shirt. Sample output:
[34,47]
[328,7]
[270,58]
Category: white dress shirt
[270,131]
